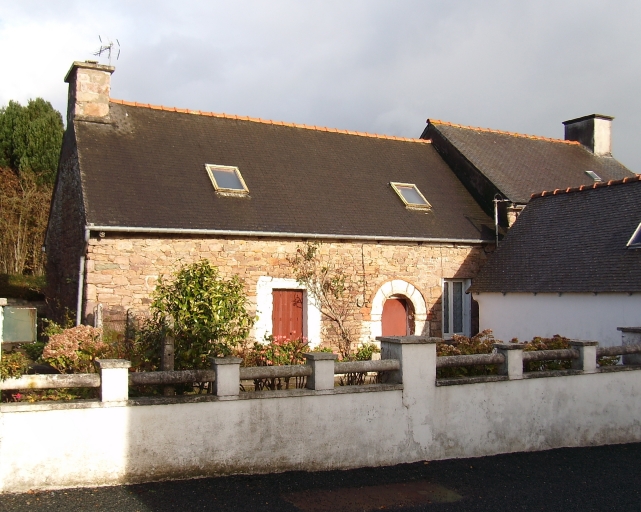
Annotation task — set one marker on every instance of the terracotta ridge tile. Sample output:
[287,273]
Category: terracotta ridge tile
[628,179]
[265,121]
[502,132]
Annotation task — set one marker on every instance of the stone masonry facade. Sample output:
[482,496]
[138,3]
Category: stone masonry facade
[122,270]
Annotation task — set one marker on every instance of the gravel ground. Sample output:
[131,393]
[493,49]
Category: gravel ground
[585,479]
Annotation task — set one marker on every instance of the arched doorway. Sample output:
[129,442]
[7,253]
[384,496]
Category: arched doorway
[397,318]
[398,289]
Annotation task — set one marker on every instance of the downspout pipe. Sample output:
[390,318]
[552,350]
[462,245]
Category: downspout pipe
[497,200]
[81,277]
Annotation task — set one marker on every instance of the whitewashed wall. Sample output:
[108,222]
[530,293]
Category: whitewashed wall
[580,316]
[89,443]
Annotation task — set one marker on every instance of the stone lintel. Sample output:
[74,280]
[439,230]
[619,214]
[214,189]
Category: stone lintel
[320,356]
[508,346]
[226,360]
[107,364]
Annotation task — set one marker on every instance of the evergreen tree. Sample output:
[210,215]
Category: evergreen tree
[30,139]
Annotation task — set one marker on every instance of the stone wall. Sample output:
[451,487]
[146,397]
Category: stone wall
[122,270]
[65,233]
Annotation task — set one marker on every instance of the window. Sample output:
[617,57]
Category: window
[457,306]
[593,175]
[635,241]
[227,179]
[411,196]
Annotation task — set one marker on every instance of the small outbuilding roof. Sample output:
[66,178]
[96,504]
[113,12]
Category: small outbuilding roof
[146,168]
[519,165]
[573,240]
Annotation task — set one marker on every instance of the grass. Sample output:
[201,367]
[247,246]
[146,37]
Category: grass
[22,287]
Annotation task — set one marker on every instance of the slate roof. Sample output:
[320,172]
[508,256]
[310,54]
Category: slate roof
[147,169]
[570,241]
[520,165]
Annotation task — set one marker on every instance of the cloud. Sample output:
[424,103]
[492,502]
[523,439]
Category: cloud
[366,65]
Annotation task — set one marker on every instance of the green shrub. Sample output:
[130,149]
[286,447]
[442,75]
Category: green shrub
[206,314]
[275,351]
[13,364]
[483,343]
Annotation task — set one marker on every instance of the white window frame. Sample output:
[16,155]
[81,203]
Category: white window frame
[631,242]
[265,307]
[213,167]
[466,305]
[411,206]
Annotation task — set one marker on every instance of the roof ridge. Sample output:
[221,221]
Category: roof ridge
[266,121]
[581,188]
[501,132]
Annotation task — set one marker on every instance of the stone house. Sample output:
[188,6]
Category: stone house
[503,169]
[142,189]
[571,265]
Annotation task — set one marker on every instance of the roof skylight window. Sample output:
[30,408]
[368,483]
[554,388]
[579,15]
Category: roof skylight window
[593,175]
[411,196]
[635,241]
[227,179]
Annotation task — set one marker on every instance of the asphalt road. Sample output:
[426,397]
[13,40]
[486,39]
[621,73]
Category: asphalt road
[585,479]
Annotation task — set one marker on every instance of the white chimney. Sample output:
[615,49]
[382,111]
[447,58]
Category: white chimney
[593,131]
[89,88]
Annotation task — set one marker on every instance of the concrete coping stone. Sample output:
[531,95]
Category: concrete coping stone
[622,329]
[107,364]
[226,360]
[20,407]
[458,381]
[579,343]
[551,373]
[408,340]
[508,346]
[618,368]
[321,356]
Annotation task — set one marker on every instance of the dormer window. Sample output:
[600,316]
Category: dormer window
[635,241]
[593,175]
[227,179]
[411,196]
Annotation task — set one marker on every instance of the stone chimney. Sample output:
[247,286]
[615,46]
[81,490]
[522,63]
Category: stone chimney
[89,87]
[593,131]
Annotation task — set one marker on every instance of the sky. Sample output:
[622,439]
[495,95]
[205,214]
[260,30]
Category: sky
[374,66]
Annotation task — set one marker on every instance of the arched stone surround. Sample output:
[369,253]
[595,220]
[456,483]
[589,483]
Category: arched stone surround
[398,287]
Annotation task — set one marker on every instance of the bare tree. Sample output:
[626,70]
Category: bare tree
[333,291]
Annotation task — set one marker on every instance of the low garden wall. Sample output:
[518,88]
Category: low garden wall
[410,416]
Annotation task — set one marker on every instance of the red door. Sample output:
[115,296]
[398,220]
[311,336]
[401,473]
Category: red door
[287,315]
[395,318]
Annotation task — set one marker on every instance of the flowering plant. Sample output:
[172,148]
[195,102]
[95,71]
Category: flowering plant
[75,350]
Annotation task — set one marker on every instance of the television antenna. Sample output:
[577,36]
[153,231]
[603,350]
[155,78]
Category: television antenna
[108,47]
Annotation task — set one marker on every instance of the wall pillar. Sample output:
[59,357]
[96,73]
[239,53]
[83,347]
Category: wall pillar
[587,355]
[114,379]
[417,355]
[513,365]
[322,364]
[631,336]
[227,382]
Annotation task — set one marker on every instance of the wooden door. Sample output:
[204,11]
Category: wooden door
[394,319]
[287,315]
